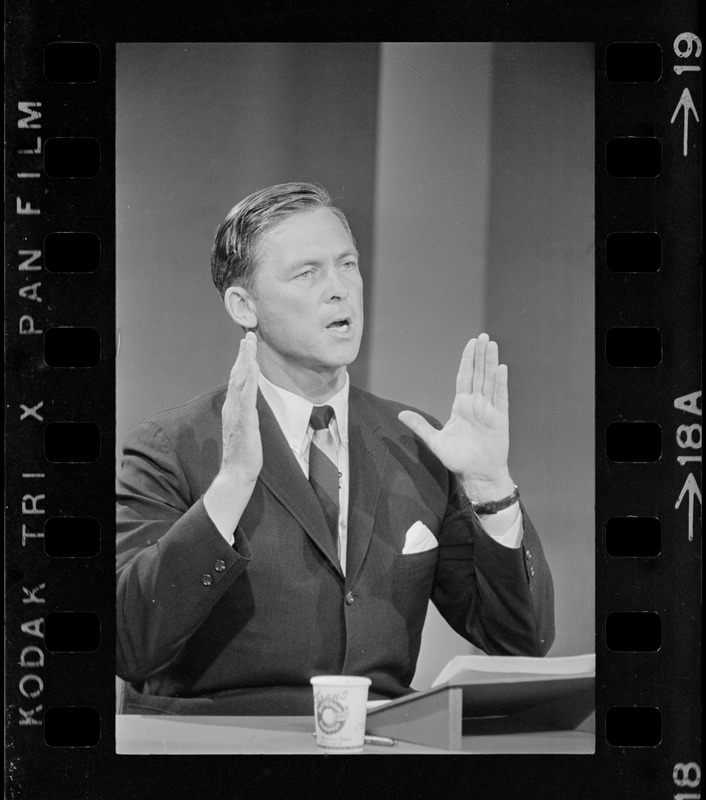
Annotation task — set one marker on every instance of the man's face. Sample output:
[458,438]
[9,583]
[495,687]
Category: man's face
[308,294]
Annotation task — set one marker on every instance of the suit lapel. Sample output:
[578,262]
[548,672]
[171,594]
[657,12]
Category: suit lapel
[283,476]
[367,456]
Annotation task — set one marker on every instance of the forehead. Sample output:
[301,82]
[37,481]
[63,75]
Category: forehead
[303,233]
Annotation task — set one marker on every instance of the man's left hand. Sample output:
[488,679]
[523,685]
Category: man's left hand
[475,441]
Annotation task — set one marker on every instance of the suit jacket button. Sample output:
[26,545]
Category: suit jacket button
[532,571]
[207,579]
[220,565]
[350,599]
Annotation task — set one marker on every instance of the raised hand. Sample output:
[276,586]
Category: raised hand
[242,447]
[475,441]
[241,462]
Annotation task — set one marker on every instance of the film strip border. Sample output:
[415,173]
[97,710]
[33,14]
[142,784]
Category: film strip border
[60,395]
[649,406]
[61,347]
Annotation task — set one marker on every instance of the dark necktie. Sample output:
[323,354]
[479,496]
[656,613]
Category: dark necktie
[323,471]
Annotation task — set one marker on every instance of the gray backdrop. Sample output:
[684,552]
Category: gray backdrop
[466,171]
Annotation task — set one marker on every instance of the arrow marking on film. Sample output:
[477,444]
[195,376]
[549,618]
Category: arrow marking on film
[691,486]
[687,104]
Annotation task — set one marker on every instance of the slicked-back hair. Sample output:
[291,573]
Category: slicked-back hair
[234,254]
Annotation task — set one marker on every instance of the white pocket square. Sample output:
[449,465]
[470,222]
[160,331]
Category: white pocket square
[418,539]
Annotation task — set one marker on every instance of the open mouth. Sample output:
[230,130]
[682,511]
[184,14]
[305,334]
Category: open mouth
[342,324]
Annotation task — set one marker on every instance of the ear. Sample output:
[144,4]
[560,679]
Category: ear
[241,307]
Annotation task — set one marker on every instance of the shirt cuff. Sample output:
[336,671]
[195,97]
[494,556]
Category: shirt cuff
[505,526]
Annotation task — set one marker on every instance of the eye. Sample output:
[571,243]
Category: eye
[350,265]
[305,273]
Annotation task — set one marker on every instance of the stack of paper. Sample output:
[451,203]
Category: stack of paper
[501,685]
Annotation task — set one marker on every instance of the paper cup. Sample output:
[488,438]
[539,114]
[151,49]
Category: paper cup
[339,712]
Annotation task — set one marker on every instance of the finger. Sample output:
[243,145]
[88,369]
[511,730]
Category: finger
[479,363]
[237,378]
[417,424]
[464,378]
[248,395]
[491,366]
[247,353]
[249,350]
[236,382]
[237,359]
[500,398]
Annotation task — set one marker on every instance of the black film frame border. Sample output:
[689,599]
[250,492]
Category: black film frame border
[38,585]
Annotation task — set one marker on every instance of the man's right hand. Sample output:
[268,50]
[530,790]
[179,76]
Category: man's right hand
[241,462]
[242,448]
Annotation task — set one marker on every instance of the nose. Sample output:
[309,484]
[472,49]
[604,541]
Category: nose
[336,287]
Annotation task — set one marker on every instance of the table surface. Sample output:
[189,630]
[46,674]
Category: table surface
[186,735]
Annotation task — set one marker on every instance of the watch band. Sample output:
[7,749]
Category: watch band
[494,506]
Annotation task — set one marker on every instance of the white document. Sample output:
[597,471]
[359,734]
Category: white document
[464,667]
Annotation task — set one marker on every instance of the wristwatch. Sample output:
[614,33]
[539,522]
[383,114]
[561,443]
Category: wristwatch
[494,506]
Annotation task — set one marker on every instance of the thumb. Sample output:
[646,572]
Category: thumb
[417,424]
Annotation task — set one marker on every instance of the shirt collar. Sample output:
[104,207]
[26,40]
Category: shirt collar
[293,412]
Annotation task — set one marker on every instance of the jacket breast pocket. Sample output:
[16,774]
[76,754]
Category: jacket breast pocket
[415,561]
[412,581]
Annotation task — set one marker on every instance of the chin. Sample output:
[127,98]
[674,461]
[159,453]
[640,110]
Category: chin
[341,360]
[351,355]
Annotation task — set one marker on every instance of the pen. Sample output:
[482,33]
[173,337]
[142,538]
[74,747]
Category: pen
[381,740]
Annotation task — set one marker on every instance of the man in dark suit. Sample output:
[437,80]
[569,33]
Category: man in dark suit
[288,524]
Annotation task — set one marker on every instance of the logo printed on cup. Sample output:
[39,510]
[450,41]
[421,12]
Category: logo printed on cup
[330,713]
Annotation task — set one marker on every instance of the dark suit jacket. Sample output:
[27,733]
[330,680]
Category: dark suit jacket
[208,628]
